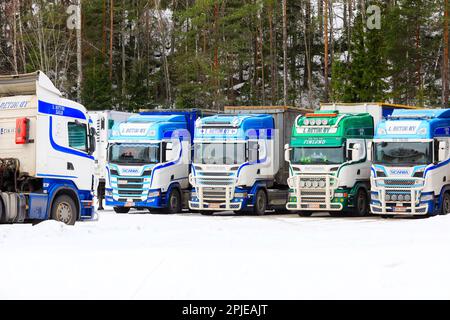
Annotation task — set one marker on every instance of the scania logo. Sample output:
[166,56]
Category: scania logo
[130,170]
[399,172]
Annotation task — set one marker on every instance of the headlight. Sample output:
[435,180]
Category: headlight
[427,197]
[240,195]
[153,194]
[108,192]
[375,196]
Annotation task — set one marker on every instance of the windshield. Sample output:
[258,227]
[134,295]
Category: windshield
[322,155]
[140,153]
[219,153]
[403,153]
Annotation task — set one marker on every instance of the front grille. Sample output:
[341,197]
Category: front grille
[131,192]
[399,183]
[131,186]
[214,182]
[130,180]
[214,194]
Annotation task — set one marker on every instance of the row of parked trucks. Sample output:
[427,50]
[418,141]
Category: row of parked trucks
[345,159]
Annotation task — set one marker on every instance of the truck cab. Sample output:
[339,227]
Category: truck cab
[238,164]
[411,164]
[149,161]
[329,168]
[46,153]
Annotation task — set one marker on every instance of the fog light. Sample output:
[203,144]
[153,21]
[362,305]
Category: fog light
[302,184]
[308,184]
[315,184]
[322,184]
[400,197]
[394,197]
[388,197]
[407,197]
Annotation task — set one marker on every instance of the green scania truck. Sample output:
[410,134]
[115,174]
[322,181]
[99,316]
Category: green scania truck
[329,167]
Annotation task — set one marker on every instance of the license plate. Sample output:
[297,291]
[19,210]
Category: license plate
[129,204]
[122,181]
[399,209]
[214,205]
[314,206]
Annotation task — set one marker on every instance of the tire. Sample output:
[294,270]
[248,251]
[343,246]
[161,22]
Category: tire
[445,204]
[2,212]
[64,210]
[174,202]
[121,210]
[260,206]
[305,214]
[361,204]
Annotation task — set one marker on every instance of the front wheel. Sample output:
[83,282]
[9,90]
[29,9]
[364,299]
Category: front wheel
[64,210]
[174,203]
[260,203]
[361,204]
[121,210]
[446,204]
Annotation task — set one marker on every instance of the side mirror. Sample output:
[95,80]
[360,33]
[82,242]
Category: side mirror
[92,141]
[369,151]
[287,153]
[443,151]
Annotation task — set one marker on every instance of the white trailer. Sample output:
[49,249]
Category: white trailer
[46,147]
[103,122]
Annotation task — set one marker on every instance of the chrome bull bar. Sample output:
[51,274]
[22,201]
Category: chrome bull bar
[315,195]
[214,193]
[399,196]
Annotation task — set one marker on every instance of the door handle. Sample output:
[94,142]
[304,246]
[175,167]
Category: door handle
[70,166]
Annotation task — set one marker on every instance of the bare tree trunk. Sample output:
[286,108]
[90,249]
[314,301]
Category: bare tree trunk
[445,86]
[122,33]
[111,38]
[104,28]
[325,20]
[163,53]
[285,83]
[79,52]
[22,41]
[272,56]
[261,55]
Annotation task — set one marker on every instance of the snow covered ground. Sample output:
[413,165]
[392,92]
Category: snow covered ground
[144,256]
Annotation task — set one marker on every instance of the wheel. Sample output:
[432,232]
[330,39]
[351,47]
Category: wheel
[121,210]
[305,214]
[64,210]
[2,211]
[445,204]
[361,204]
[174,203]
[260,203]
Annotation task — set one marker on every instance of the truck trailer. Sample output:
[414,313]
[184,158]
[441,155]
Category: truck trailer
[411,164]
[46,153]
[149,159]
[328,156]
[238,160]
[103,122]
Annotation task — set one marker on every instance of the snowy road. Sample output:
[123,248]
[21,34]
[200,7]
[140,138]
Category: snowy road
[143,256]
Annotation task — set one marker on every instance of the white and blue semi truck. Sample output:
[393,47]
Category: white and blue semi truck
[149,158]
[239,160]
[46,147]
[410,175]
